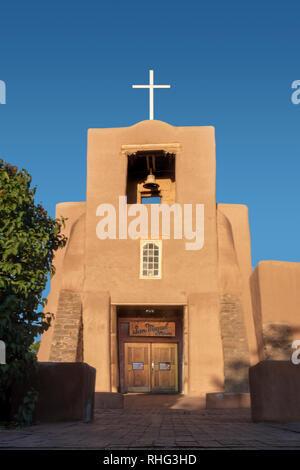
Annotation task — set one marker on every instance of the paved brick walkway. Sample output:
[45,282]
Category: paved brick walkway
[161,429]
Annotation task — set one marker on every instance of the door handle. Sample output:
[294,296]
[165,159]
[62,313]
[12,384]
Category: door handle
[152,364]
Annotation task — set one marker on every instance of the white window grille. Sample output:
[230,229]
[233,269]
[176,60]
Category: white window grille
[150,265]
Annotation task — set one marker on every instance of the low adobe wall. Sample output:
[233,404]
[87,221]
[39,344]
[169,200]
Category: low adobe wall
[66,392]
[275,391]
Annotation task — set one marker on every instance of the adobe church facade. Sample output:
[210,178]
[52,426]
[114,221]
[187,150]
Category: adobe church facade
[148,314]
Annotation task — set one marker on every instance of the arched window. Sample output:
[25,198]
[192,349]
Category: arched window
[150,266]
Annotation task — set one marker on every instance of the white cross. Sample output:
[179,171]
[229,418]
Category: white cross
[151,87]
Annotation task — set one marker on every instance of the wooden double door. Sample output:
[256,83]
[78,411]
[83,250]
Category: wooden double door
[151,367]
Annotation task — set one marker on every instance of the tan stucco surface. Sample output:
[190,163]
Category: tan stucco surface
[279,291]
[206,370]
[237,217]
[276,301]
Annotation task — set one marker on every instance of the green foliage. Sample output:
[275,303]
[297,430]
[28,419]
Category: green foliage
[26,408]
[34,347]
[28,239]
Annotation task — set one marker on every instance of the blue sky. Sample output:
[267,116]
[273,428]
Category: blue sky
[69,66]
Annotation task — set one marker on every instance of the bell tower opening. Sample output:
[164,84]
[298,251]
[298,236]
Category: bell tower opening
[151,177]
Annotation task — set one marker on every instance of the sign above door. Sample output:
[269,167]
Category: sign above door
[149,328]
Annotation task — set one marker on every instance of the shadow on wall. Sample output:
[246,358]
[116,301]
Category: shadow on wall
[277,344]
[236,379]
[277,341]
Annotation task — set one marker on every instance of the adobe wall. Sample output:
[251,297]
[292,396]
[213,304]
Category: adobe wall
[187,276]
[93,268]
[237,217]
[205,354]
[233,330]
[275,391]
[183,271]
[96,336]
[68,262]
[275,289]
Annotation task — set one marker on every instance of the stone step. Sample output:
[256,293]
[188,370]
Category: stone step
[227,400]
[175,401]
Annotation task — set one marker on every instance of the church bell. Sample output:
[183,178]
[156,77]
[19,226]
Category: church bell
[150,182]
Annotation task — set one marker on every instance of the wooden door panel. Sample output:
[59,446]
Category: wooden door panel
[164,367]
[137,367]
